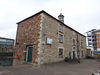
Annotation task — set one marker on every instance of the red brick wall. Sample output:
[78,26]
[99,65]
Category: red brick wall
[98,39]
[28,34]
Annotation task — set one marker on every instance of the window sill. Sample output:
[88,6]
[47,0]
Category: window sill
[60,56]
[60,42]
[61,31]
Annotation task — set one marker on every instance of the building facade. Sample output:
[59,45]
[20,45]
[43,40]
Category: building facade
[98,39]
[42,39]
[93,38]
[6,51]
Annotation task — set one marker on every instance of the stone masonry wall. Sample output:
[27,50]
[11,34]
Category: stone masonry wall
[35,31]
[50,29]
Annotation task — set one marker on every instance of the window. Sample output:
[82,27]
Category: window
[74,42]
[60,38]
[60,52]
[60,27]
[73,33]
[89,43]
[81,44]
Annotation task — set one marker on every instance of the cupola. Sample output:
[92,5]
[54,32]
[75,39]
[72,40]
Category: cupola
[61,17]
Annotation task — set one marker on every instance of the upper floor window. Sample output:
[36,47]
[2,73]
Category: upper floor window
[60,38]
[74,42]
[73,32]
[81,44]
[60,27]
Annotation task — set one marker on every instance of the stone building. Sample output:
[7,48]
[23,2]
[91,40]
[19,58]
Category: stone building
[41,39]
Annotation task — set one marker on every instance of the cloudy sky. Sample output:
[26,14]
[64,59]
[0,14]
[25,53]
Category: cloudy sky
[81,15]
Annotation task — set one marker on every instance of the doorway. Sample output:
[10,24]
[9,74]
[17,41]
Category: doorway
[74,53]
[29,54]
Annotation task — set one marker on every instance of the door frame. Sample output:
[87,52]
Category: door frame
[27,52]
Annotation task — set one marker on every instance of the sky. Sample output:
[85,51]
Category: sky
[81,15]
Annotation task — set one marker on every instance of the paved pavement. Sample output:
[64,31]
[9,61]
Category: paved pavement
[86,67]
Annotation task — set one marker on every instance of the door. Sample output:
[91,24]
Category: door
[29,54]
[73,54]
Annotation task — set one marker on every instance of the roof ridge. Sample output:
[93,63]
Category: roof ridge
[42,11]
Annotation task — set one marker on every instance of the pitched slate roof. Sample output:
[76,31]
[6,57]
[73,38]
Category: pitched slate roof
[53,18]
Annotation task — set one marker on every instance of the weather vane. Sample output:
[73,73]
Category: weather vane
[61,10]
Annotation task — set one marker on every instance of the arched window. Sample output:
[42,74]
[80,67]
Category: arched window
[74,42]
[81,44]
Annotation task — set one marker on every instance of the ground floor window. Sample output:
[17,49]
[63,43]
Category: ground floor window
[60,52]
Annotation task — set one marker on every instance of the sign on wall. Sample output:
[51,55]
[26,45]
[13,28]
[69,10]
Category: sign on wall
[49,41]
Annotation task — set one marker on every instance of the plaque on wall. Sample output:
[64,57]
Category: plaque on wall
[49,41]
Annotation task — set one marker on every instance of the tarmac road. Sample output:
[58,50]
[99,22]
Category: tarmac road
[86,67]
